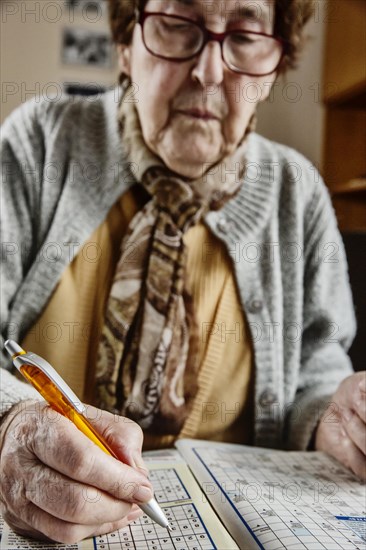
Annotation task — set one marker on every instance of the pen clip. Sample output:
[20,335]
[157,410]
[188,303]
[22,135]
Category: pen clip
[26,358]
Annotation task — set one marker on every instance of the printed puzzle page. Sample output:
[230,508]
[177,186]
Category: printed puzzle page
[278,499]
[195,525]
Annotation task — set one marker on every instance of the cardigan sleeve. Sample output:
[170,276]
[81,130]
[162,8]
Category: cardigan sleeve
[21,151]
[329,324]
[50,197]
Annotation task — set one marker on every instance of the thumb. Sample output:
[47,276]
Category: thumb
[123,436]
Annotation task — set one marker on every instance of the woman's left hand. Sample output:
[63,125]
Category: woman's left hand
[342,429]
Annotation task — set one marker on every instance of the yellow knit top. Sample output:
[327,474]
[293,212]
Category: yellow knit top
[67,332]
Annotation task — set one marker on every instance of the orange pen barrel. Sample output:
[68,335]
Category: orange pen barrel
[58,401]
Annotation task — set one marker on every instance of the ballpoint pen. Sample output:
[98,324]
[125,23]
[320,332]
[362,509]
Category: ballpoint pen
[45,379]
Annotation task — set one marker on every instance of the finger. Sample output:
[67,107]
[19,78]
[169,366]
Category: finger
[362,381]
[71,501]
[355,429]
[48,527]
[349,454]
[135,515]
[22,528]
[360,403]
[351,388]
[62,447]
[25,530]
[110,527]
[121,433]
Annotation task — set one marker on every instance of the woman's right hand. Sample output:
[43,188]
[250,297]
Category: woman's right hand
[58,485]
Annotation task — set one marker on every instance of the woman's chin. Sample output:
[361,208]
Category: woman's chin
[189,166]
[191,162]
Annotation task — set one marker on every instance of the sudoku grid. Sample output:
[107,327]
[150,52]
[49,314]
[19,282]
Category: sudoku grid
[168,486]
[188,530]
[188,533]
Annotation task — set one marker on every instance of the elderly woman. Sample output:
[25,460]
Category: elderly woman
[177,269]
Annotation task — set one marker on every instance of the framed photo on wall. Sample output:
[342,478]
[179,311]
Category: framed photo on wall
[88,6]
[85,47]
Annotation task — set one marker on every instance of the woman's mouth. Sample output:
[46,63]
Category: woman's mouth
[198,113]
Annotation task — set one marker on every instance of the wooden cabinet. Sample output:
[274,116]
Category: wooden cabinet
[344,96]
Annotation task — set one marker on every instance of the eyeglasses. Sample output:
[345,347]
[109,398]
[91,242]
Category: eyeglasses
[177,38]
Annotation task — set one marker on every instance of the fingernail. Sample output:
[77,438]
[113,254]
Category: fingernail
[362,386]
[142,493]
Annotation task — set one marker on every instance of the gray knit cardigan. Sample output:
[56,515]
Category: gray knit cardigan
[63,167]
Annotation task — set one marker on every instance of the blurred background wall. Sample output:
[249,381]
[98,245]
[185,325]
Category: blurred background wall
[46,44]
[294,113]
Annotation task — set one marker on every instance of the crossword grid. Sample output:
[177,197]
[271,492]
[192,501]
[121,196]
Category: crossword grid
[188,533]
[280,506]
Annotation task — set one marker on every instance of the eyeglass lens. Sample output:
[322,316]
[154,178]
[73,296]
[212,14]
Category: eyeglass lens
[174,38]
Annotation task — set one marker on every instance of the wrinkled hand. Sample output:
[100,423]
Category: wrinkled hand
[342,428]
[58,485]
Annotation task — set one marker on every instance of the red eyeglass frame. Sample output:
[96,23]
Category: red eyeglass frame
[207,37]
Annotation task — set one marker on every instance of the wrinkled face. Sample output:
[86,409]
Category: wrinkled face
[195,112]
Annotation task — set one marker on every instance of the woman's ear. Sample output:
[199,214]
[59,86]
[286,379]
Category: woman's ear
[124,57]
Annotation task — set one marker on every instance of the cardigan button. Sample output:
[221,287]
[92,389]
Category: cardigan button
[255,306]
[267,398]
[222,225]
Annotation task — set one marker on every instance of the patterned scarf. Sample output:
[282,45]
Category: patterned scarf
[147,359]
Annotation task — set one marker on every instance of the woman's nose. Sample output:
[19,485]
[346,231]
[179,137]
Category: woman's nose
[209,67]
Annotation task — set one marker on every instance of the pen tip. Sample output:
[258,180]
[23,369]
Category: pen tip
[169,528]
